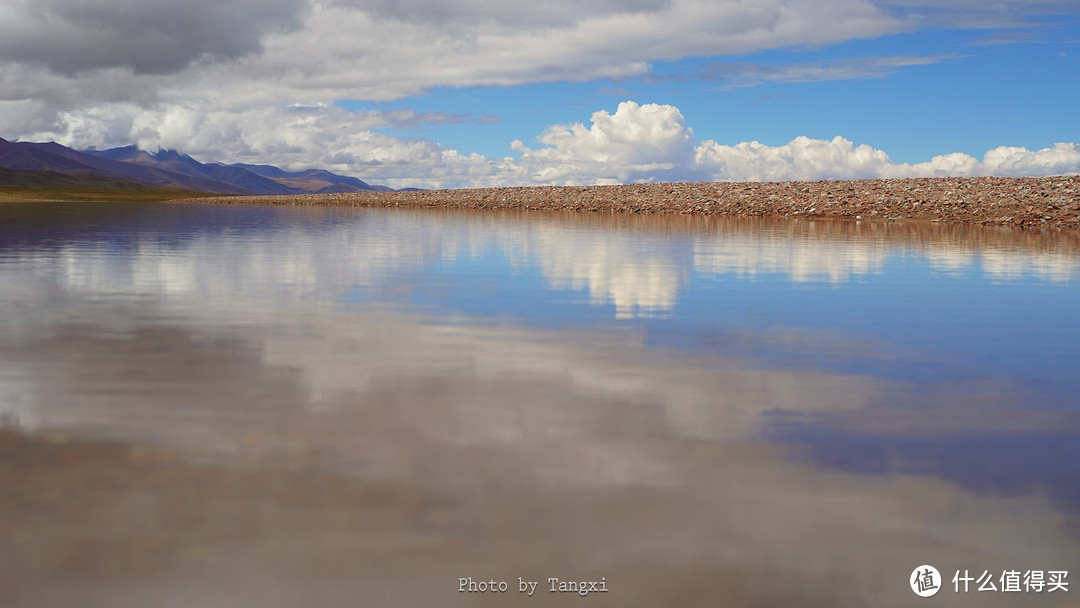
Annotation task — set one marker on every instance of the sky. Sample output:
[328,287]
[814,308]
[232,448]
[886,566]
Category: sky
[477,93]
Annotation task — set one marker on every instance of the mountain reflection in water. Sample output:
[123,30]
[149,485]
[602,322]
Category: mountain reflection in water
[255,406]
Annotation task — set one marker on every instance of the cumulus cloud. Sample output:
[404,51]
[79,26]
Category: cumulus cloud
[801,159]
[653,143]
[635,143]
[241,80]
[1003,160]
[293,137]
[255,80]
[813,159]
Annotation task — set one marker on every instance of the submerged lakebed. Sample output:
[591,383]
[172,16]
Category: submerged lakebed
[280,406]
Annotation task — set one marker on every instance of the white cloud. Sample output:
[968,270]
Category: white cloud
[145,36]
[404,52]
[813,159]
[212,80]
[293,137]
[230,54]
[653,143]
[231,81]
[985,14]
[737,75]
[636,143]
[801,159]
[1061,159]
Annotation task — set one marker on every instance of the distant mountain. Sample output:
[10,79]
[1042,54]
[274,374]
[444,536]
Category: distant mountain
[38,178]
[313,180]
[259,179]
[54,157]
[171,169]
[175,162]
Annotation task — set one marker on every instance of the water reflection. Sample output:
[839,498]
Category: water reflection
[513,452]
[632,264]
[502,381]
[257,406]
[800,260]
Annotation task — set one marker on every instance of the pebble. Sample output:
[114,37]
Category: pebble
[1018,201]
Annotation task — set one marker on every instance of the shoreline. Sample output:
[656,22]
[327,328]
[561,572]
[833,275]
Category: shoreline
[989,201]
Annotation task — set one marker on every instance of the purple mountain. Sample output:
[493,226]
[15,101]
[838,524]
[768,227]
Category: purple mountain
[171,169]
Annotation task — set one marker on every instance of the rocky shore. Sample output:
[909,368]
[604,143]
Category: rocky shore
[1027,201]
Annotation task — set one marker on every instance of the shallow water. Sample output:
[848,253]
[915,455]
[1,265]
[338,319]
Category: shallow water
[267,406]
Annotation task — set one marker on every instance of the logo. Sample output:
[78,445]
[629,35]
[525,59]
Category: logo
[925,581]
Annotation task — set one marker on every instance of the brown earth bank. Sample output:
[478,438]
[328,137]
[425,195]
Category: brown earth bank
[91,195]
[1019,201]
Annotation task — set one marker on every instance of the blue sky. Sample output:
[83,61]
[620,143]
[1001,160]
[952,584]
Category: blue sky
[452,93]
[971,95]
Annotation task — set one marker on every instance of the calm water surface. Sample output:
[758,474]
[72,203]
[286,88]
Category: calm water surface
[259,406]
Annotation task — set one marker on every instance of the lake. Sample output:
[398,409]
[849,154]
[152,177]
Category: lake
[221,405]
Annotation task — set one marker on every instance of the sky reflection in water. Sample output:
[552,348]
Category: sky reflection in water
[578,350]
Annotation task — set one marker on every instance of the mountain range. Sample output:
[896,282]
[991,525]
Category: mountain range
[50,163]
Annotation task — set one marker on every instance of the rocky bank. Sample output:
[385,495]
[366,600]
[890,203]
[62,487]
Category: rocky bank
[1024,201]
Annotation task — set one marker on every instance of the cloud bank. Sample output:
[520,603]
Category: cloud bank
[254,80]
[314,50]
[70,37]
[636,143]
[653,143]
[644,143]
[257,80]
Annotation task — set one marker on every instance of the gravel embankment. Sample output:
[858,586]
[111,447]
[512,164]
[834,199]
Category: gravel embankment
[1026,201]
